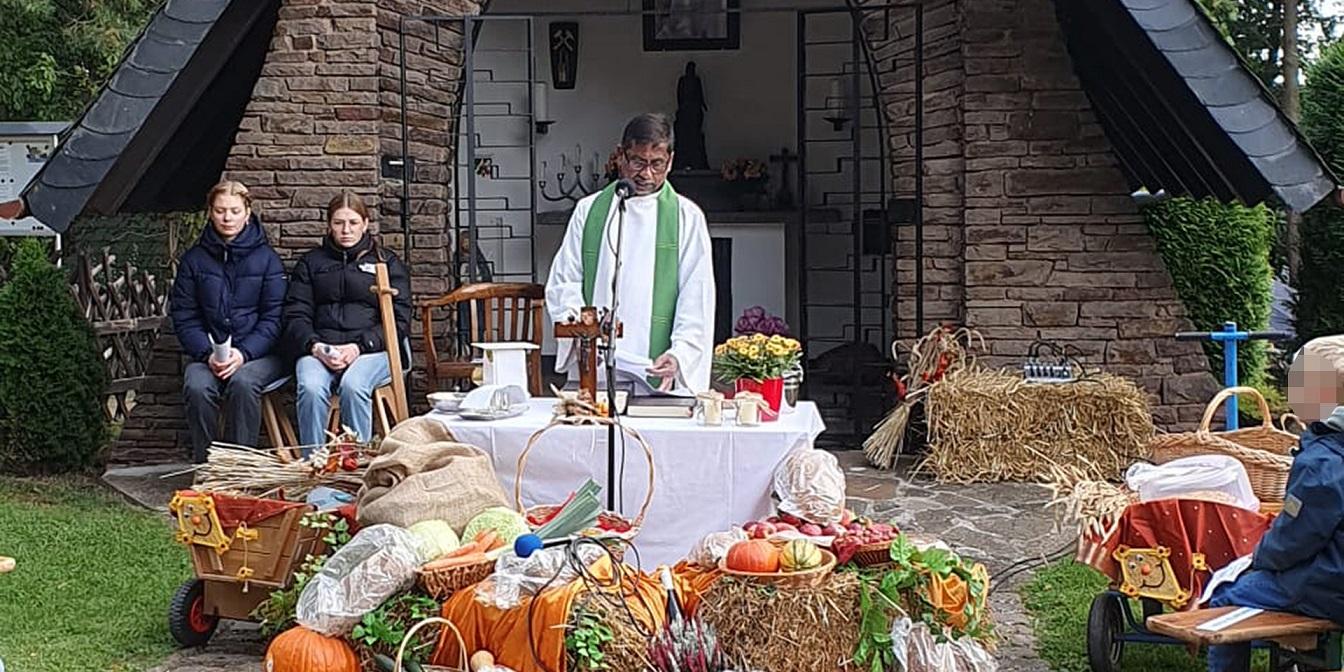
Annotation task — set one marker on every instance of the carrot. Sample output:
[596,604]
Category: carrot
[464,549]
[459,561]
[487,539]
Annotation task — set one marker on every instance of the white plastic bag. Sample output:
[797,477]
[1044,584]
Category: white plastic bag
[714,546]
[810,485]
[917,650]
[516,577]
[1218,478]
[376,564]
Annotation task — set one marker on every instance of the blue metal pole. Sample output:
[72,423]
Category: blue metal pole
[1230,374]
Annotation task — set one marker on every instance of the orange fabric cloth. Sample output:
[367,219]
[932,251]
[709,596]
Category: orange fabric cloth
[1221,532]
[505,633]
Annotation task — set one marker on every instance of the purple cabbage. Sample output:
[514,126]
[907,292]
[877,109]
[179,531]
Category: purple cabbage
[756,320]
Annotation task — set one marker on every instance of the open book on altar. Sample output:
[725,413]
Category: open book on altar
[643,400]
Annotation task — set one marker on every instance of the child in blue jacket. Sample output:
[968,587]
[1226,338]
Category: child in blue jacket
[1298,566]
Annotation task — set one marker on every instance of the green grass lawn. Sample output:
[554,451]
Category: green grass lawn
[93,581]
[1059,597]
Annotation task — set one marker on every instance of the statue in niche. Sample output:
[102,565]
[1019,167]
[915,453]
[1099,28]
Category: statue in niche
[690,122]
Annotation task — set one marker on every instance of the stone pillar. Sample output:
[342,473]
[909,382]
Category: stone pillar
[893,47]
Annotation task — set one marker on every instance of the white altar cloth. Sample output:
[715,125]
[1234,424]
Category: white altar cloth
[706,479]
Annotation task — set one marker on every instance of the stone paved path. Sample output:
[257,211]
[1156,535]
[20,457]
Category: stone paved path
[998,524]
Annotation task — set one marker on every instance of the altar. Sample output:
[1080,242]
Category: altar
[706,479]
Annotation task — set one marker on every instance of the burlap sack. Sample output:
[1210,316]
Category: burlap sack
[422,474]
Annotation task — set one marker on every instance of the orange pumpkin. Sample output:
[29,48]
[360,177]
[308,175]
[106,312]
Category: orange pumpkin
[757,555]
[302,650]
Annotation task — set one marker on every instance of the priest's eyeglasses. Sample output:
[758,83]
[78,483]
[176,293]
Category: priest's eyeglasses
[638,164]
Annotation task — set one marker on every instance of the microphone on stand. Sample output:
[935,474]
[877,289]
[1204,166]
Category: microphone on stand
[625,188]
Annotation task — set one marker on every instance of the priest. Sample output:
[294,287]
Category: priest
[666,284]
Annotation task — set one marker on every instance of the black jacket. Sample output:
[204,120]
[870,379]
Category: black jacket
[329,299]
[229,290]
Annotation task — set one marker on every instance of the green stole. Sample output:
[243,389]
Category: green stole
[666,277]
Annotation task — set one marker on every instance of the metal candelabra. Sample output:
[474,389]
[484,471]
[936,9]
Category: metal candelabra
[574,191]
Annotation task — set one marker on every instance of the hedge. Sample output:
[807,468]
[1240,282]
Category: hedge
[1218,257]
[51,375]
[1319,308]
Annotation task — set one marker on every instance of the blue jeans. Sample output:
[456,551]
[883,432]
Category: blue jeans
[355,385]
[1257,589]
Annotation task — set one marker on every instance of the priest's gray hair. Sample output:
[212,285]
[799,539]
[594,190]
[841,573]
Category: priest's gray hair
[650,128]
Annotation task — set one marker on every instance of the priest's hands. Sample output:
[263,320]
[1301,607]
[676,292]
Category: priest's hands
[666,367]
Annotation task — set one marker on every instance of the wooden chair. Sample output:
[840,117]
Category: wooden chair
[499,312]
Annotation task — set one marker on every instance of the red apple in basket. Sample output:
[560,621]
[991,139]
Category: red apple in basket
[811,530]
[762,531]
[785,527]
[832,530]
[790,518]
[847,517]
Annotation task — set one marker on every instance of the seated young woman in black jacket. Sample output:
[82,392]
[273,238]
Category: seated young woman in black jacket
[332,322]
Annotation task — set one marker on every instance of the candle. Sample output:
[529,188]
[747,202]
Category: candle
[836,100]
[540,110]
[597,167]
[564,161]
[578,156]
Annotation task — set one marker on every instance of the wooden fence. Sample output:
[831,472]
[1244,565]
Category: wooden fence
[127,308]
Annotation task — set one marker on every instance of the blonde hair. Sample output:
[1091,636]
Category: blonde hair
[228,188]
[1317,367]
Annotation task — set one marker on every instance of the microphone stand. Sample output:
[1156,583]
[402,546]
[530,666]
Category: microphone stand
[609,331]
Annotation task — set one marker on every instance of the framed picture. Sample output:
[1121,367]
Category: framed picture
[691,25]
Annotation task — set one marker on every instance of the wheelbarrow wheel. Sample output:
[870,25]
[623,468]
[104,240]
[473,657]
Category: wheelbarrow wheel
[1105,625]
[188,620]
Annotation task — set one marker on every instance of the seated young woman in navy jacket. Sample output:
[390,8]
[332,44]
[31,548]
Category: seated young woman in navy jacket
[230,289]
[333,324]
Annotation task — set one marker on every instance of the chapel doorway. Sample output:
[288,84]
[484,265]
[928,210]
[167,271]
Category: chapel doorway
[799,92]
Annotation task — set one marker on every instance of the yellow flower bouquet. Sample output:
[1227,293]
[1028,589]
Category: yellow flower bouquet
[756,357]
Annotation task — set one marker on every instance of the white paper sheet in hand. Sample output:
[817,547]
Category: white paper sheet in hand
[1227,574]
[220,351]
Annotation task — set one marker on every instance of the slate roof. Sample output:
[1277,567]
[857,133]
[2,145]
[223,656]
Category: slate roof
[157,134]
[1182,111]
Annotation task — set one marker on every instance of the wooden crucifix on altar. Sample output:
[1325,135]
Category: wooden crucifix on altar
[591,332]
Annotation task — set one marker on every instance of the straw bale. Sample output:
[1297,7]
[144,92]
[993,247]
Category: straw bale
[786,629]
[987,426]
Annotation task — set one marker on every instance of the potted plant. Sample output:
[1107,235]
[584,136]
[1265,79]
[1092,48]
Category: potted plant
[757,363]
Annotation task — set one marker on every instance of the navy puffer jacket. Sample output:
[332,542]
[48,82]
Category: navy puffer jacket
[1304,548]
[229,289]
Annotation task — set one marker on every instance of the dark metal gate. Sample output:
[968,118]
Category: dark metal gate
[845,231]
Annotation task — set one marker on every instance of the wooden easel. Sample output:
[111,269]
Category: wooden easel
[385,291]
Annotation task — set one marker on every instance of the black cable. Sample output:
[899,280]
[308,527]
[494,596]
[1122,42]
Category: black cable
[575,561]
[1028,564]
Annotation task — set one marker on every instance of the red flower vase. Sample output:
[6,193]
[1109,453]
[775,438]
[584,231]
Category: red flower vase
[772,389]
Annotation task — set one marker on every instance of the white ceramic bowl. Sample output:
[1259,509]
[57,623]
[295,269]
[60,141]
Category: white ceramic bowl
[447,402]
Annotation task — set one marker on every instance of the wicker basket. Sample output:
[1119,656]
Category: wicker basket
[461,646]
[803,579]
[441,583]
[872,555]
[542,510]
[1265,451]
